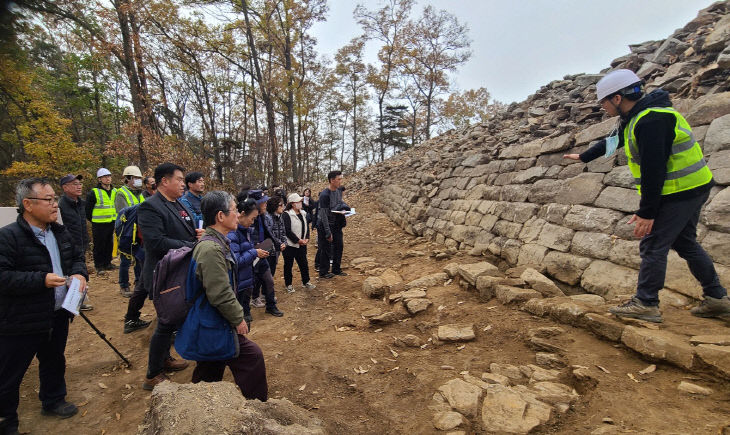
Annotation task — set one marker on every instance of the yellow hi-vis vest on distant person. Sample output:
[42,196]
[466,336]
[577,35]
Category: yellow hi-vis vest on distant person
[686,166]
[104,211]
[131,198]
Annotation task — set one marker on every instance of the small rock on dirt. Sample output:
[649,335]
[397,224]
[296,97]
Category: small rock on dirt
[541,283]
[549,360]
[415,306]
[691,388]
[408,340]
[495,378]
[510,295]
[384,319]
[447,420]
[507,370]
[457,332]
[462,396]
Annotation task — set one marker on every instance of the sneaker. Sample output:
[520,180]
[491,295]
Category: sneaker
[125,292]
[86,307]
[259,302]
[290,289]
[62,409]
[133,325]
[341,273]
[274,312]
[712,307]
[149,384]
[173,365]
[309,286]
[634,309]
[328,276]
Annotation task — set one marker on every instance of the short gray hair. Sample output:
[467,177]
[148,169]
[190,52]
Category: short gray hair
[212,203]
[24,189]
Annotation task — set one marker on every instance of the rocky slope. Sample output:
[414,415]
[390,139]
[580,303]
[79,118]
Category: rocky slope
[503,189]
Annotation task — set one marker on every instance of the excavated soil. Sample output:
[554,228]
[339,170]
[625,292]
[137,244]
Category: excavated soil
[314,353]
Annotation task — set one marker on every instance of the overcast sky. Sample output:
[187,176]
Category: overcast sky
[519,46]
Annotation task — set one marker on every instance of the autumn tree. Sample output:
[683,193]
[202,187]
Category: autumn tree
[350,70]
[462,109]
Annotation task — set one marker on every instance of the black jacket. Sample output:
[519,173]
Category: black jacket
[74,219]
[26,304]
[162,228]
[654,137]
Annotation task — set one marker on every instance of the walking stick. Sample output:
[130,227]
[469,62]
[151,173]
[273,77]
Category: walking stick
[103,337]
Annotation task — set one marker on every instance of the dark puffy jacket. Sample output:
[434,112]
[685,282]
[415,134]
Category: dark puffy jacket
[72,213]
[26,304]
[245,254]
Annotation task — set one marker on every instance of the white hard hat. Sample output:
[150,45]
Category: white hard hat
[615,81]
[133,171]
[102,172]
[294,197]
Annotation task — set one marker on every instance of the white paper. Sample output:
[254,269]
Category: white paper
[74,297]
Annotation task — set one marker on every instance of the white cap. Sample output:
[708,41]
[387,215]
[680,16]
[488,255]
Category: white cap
[615,81]
[133,171]
[102,172]
[294,197]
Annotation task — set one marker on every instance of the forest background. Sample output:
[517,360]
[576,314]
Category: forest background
[235,89]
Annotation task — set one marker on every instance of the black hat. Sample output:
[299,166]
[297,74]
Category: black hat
[69,178]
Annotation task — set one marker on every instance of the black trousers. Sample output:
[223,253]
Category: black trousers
[103,236]
[136,301]
[159,348]
[675,227]
[332,251]
[300,255]
[16,354]
[258,284]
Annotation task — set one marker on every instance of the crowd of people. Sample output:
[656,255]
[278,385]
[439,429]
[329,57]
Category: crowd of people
[236,244]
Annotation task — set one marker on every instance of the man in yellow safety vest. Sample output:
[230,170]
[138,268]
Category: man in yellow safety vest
[101,212]
[128,195]
[673,179]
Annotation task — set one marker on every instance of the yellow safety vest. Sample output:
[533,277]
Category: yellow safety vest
[130,197]
[104,211]
[686,166]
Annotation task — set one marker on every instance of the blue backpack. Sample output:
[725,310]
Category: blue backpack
[125,233]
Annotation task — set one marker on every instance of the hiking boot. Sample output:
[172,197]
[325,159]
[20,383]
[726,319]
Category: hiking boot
[62,409]
[634,309]
[341,273]
[133,325]
[713,307]
[125,292]
[274,312]
[327,276]
[173,365]
[149,384]
[290,289]
[86,307]
[309,286]
[259,302]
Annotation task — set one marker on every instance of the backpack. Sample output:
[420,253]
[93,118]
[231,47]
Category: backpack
[125,232]
[173,275]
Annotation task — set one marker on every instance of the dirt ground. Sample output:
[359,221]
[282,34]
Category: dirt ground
[313,351]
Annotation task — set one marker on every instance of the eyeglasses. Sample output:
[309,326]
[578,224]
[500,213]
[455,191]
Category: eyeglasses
[52,200]
[75,183]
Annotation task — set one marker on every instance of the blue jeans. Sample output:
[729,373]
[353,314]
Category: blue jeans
[675,227]
[124,264]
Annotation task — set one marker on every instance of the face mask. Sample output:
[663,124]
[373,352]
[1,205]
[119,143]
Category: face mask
[137,182]
[612,143]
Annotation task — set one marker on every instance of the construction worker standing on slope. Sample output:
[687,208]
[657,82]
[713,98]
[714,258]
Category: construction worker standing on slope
[102,214]
[128,195]
[674,182]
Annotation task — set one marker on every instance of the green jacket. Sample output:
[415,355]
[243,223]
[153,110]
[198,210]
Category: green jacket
[216,270]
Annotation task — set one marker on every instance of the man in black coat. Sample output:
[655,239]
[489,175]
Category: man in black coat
[73,210]
[36,255]
[164,224]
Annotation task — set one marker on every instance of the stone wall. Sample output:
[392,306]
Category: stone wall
[503,187]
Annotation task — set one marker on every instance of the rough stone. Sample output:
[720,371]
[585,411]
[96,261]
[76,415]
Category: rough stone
[385,318]
[509,371]
[717,212]
[608,280]
[595,131]
[717,339]
[470,272]
[604,327]
[582,189]
[462,396]
[456,332]
[373,287]
[506,410]
[583,218]
[415,306]
[618,198]
[552,392]
[588,299]
[708,108]
[716,356]
[555,237]
[541,283]
[719,164]
[510,295]
[567,268]
[620,176]
[717,244]
[718,136]
[447,420]
[451,269]
[718,38]
[362,260]
[429,280]
[408,340]
[596,245]
[688,387]
[532,253]
[495,378]
[219,407]
[542,345]
[559,143]
[661,345]
[549,360]
[539,374]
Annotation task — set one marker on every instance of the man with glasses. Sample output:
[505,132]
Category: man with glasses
[102,214]
[72,209]
[36,256]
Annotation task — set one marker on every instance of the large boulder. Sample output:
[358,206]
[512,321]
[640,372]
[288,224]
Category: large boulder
[609,280]
[219,407]
[541,283]
[428,280]
[470,272]
[708,108]
[508,410]
[462,396]
[718,135]
[660,345]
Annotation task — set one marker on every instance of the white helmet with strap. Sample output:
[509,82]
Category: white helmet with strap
[619,80]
